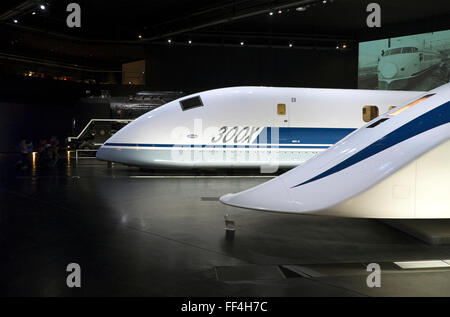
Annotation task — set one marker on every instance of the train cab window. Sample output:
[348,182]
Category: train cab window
[281,109]
[407,50]
[394,51]
[370,113]
[191,103]
[410,105]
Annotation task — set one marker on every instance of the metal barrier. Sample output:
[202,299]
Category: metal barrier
[77,156]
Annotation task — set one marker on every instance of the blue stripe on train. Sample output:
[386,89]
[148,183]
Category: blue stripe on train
[302,135]
[217,146]
[428,121]
[289,138]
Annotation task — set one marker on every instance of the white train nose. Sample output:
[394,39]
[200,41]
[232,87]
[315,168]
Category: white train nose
[388,70]
[270,196]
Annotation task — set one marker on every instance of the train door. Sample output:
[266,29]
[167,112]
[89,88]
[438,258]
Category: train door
[281,114]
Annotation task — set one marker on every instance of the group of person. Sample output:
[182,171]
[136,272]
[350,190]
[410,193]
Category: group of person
[46,153]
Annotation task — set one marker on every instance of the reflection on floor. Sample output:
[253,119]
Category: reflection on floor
[164,236]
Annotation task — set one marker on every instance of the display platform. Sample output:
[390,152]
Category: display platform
[430,231]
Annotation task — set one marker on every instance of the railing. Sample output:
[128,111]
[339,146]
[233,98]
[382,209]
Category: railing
[70,139]
[78,157]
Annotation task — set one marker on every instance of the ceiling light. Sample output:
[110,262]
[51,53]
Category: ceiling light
[301,9]
[140,37]
[169,41]
[190,42]
[344,46]
[34,13]
[279,11]
[337,47]
[270,13]
[242,43]
[15,21]
[42,7]
[291,45]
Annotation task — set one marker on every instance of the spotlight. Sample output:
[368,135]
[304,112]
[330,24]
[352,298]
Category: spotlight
[42,7]
[324,1]
[242,43]
[301,9]
[344,46]
[190,42]
[270,13]
[169,41]
[16,21]
[291,45]
[279,11]
[140,37]
[34,13]
[337,47]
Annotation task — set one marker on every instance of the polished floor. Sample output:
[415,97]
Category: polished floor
[140,233]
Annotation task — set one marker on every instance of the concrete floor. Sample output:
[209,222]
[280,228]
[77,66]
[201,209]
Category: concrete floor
[164,236]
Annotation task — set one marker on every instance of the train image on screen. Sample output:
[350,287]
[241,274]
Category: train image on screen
[399,65]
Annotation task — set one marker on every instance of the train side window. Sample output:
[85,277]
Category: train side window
[281,109]
[191,103]
[370,113]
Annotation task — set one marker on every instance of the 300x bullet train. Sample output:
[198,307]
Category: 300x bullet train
[400,64]
[246,127]
[396,166]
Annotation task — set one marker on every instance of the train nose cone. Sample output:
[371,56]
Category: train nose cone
[101,154]
[107,155]
[270,196]
[388,70]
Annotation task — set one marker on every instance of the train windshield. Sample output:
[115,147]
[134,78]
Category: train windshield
[401,50]
[191,103]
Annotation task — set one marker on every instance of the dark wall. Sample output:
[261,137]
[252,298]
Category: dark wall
[32,121]
[193,69]
[32,108]
[40,108]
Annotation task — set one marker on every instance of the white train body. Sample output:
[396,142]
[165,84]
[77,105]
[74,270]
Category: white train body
[245,127]
[403,63]
[397,166]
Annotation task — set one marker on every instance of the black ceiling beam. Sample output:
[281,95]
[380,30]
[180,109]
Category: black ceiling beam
[56,64]
[201,12]
[19,10]
[266,8]
[264,36]
[275,36]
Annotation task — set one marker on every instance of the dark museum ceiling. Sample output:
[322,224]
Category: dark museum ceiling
[324,23]
[124,20]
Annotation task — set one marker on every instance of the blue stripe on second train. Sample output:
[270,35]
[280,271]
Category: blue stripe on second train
[302,135]
[428,121]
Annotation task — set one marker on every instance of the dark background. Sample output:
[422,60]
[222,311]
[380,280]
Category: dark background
[41,107]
